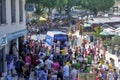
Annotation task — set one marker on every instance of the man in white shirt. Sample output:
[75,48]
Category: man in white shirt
[105,66]
[73,73]
[38,37]
[15,50]
[66,72]
[41,62]
[48,63]
[80,58]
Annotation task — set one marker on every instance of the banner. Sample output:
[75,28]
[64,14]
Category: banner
[86,76]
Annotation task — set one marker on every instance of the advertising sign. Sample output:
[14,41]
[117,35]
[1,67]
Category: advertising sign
[49,40]
[61,37]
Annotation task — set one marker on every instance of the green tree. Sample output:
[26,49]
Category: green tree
[50,4]
[97,31]
[116,40]
[38,5]
[60,4]
[97,5]
[70,4]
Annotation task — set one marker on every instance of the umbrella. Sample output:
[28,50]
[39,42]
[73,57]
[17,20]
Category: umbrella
[109,30]
[42,19]
[87,25]
[111,33]
[104,33]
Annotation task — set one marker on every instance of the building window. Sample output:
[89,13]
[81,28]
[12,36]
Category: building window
[13,11]
[2,11]
[21,10]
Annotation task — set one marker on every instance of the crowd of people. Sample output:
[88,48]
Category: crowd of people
[47,64]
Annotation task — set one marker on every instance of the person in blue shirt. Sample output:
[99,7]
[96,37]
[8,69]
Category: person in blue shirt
[42,75]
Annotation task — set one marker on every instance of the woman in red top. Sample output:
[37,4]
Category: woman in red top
[85,53]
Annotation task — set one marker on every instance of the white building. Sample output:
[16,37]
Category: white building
[12,27]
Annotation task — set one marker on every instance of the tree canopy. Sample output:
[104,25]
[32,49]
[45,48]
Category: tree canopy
[97,5]
[50,4]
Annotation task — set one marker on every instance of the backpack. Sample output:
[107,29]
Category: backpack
[9,58]
[18,66]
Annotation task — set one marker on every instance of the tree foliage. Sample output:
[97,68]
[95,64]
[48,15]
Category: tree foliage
[61,3]
[116,40]
[97,31]
[70,4]
[50,4]
[38,5]
[97,5]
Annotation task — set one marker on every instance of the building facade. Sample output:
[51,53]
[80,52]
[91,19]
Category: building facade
[12,28]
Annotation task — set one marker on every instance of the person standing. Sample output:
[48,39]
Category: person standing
[72,42]
[10,62]
[119,67]
[75,42]
[87,38]
[76,52]
[73,74]
[65,72]
[28,60]
[26,72]
[116,74]
[110,75]
[89,59]
[60,74]
[42,75]
[15,51]
[19,66]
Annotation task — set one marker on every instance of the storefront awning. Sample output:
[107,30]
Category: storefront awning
[14,35]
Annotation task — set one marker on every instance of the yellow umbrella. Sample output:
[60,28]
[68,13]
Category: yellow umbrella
[42,19]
